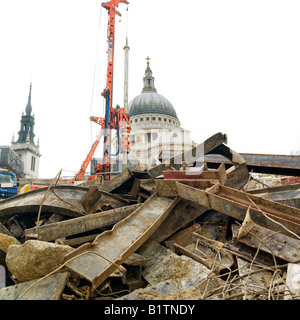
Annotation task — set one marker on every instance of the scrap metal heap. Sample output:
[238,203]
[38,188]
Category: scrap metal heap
[156,234]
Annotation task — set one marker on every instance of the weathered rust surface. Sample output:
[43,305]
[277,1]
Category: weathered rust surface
[48,288]
[142,185]
[269,241]
[167,187]
[96,261]
[183,237]
[289,194]
[78,225]
[31,201]
[228,153]
[208,252]
[165,265]
[184,213]
[97,200]
[264,163]
[235,203]
[250,254]
[237,176]
[117,181]
[191,155]
[219,174]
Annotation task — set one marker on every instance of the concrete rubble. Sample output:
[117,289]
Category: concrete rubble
[177,231]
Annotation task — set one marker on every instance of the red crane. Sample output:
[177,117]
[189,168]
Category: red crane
[115,118]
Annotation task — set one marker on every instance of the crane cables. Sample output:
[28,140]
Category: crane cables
[95,68]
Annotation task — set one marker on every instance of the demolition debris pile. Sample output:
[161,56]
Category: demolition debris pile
[165,233]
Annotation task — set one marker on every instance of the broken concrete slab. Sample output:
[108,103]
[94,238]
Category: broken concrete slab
[47,288]
[78,225]
[166,290]
[153,292]
[34,259]
[111,248]
[292,282]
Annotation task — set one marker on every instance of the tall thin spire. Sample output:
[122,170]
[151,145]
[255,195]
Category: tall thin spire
[29,107]
[126,71]
[26,132]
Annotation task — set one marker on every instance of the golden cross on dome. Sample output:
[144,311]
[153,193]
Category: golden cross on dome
[148,61]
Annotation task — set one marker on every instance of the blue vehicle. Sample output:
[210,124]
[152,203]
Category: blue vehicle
[8,184]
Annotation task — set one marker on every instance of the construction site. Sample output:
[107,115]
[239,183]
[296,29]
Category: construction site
[158,217]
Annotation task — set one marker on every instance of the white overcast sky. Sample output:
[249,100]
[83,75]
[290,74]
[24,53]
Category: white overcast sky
[230,66]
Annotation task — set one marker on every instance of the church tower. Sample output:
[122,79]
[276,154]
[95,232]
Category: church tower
[25,146]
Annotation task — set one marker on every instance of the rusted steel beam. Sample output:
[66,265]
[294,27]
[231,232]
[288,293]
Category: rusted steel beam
[264,163]
[78,225]
[228,153]
[183,214]
[269,241]
[288,194]
[209,252]
[191,155]
[96,261]
[96,199]
[219,174]
[237,176]
[117,181]
[235,204]
[61,199]
[167,187]
[47,288]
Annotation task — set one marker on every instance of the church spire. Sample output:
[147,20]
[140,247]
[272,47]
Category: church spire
[26,133]
[148,79]
[29,107]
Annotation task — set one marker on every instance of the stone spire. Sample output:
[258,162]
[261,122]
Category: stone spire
[126,68]
[26,133]
[29,107]
[148,79]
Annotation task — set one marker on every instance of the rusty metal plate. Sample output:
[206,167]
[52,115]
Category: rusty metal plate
[96,261]
[269,241]
[31,201]
[235,203]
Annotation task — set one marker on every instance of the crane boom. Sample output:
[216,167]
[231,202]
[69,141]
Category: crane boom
[111,114]
[115,118]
